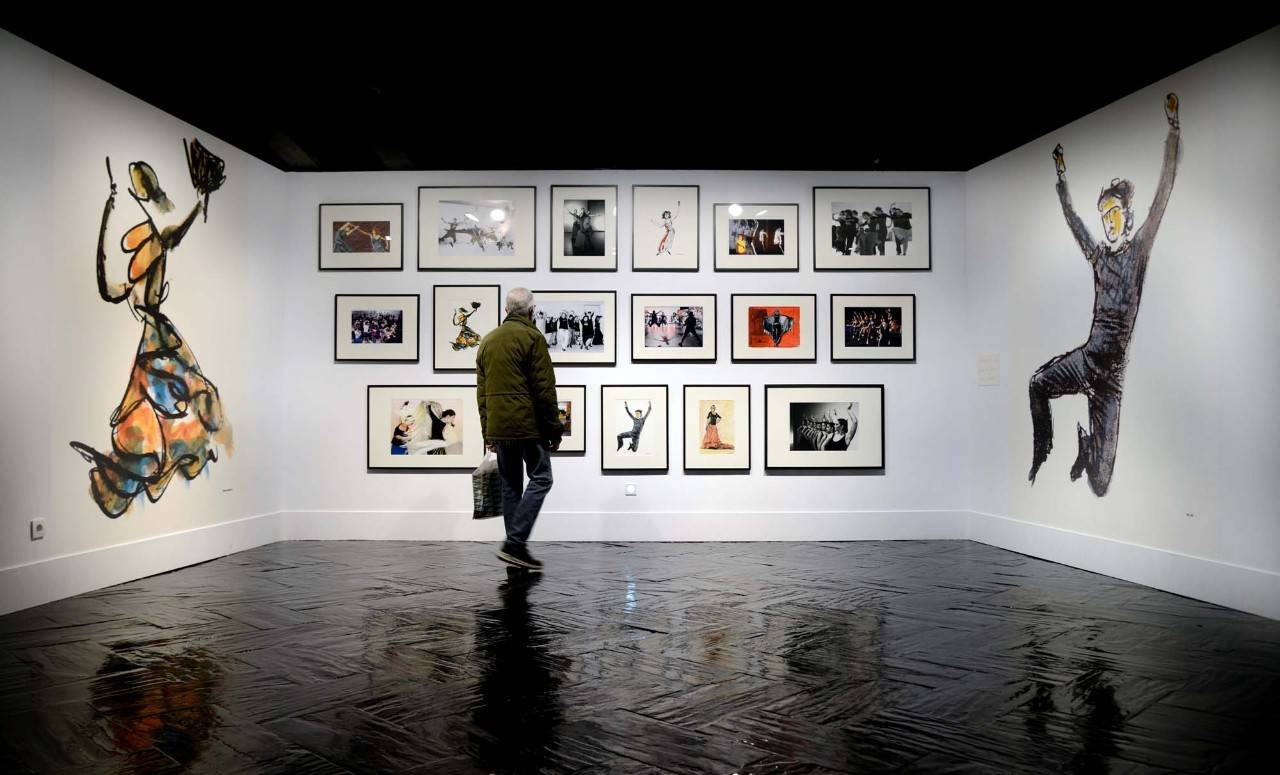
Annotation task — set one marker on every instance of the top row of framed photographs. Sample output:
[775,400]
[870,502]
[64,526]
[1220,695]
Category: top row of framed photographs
[475,229]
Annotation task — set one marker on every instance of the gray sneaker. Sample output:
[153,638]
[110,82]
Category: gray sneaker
[518,555]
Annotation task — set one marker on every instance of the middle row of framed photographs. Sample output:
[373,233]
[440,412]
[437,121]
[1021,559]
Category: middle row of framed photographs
[579,326]
[492,229]
[825,427]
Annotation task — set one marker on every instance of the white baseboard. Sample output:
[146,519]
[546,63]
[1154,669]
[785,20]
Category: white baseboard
[43,581]
[1252,590]
[635,526]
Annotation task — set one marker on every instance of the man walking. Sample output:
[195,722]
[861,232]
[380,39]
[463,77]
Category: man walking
[519,417]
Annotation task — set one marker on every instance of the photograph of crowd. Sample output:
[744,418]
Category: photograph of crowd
[379,326]
[823,427]
[873,326]
[476,228]
[752,237]
[867,232]
[361,236]
[571,325]
[673,326]
[773,327]
[426,427]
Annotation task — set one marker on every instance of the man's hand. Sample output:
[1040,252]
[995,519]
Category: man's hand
[553,445]
[1059,162]
[1171,108]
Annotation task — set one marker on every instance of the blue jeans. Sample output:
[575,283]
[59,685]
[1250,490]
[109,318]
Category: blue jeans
[520,505]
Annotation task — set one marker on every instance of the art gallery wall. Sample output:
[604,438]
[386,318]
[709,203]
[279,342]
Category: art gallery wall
[1198,455]
[328,492]
[68,354]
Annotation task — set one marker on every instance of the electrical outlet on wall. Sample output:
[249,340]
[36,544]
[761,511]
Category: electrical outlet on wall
[37,529]
[629,489]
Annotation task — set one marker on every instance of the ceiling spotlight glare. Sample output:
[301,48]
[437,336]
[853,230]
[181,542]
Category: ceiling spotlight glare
[471,217]
[735,210]
[498,214]
[762,212]
[615,211]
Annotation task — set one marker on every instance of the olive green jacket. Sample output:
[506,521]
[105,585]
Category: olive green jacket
[516,384]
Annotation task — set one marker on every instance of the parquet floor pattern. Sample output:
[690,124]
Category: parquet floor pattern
[906,656]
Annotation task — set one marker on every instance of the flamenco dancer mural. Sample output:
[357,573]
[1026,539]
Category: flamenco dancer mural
[170,420]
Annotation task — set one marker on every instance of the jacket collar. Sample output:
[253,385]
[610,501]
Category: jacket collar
[519,319]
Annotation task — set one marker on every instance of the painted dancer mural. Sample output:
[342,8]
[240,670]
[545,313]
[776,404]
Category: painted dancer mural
[170,420]
[1096,368]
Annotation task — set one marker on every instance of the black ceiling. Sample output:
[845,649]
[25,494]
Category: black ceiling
[561,87]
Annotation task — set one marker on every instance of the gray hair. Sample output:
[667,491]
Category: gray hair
[519,301]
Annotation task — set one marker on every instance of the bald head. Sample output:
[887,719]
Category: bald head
[520,302]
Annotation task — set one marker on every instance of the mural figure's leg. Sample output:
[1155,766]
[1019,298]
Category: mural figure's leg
[1097,448]
[1064,375]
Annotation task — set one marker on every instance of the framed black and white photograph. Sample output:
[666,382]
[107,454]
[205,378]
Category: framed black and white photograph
[664,229]
[578,325]
[430,427]
[462,316]
[633,428]
[375,328]
[677,327]
[781,328]
[868,327]
[717,428]
[756,237]
[871,228]
[474,229]
[361,237]
[572,405]
[584,228]
[824,426]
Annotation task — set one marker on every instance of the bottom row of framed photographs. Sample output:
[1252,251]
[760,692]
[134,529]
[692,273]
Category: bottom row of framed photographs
[815,427]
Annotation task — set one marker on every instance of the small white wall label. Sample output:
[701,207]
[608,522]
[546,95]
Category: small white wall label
[988,369]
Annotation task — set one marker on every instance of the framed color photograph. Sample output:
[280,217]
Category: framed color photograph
[717,427]
[378,327]
[664,228]
[871,228]
[433,427]
[573,416]
[476,229]
[824,426]
[463,315]
[867,327]
[774,327]
[633,428]
[578,325]
[757,237]
[673,327]
[584,228]
[368,237]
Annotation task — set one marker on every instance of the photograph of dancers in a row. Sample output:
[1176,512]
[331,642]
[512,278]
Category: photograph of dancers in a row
[867,233]
[571,326]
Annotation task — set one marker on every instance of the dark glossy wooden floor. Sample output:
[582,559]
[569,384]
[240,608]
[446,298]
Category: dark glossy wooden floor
[929,656]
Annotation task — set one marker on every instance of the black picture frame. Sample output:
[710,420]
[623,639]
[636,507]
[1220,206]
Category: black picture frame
[368,412]
[770,466]
[666,400]
[733,337]
[697,215]
[914,328]
[435,344]
[585,364]
[717,226]
[533,264]
[417,333]
[928,196]
[715,342]
[556,229]
[684,431]
[585,425]
[320,243]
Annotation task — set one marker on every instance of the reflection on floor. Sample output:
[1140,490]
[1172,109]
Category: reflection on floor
[921,656]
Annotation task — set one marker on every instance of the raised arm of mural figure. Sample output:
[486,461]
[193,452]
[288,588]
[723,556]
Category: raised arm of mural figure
[1083,238]
[1172,152]
[170,236]
[109,291]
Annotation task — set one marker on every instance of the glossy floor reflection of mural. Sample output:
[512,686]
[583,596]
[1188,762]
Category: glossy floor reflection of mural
[919,656]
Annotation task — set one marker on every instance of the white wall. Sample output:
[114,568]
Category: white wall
[68,354]
[1198,421]
[324,466]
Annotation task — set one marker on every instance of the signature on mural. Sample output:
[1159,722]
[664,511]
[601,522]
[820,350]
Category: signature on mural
[170,419]
[1096,368]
